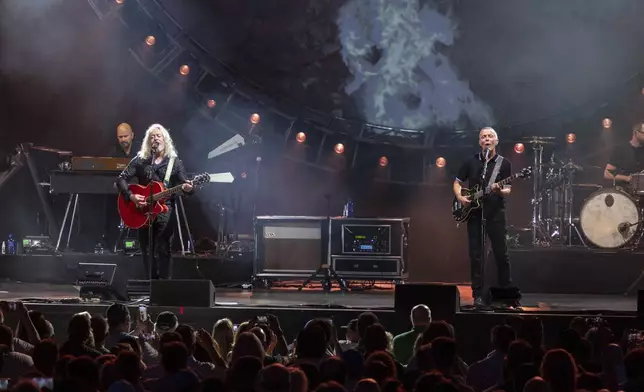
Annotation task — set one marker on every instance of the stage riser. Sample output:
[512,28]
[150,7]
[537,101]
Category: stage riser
[571,271]
[62,269]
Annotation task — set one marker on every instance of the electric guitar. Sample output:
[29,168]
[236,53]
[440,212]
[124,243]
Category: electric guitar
[476,194]
[135,216]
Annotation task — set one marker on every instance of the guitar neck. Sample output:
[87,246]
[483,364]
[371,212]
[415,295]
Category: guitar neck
[166,193]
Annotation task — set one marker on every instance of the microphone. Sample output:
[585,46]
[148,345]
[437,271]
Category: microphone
[155,147]
[486,153]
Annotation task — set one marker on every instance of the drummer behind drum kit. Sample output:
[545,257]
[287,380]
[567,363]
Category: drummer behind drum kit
[609,218]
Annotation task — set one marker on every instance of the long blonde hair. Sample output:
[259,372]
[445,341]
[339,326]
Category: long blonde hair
[146,148]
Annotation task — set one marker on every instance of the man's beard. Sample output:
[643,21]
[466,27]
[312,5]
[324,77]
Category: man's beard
[125,144]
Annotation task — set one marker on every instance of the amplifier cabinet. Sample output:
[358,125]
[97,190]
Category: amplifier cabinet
[289,246]
[369,247]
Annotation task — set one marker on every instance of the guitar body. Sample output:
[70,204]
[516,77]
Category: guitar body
[136,217]
[462,213]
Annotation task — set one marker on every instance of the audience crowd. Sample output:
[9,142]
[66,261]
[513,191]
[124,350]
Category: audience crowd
[115,353]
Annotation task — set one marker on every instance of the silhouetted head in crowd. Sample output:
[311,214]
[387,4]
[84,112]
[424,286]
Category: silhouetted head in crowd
[367,385]
[558,368]
[444,354]
[84,372]
[99,329]
[261,335]
[375,339]
[392,385]
[166,322]
[129,367]
[536,384]
[365,320]
[634,365]
[600,337]
[299,382]
[428,381]
[421,316]
[324,325]
[380,366]
[79,330]
[132,342]
[244,373]
[274,378]
[333,369]
[436,329]
[502,336]
[519,352]
[188,337]
[523,374]
[224,334]
[247,345]
[168,337]
[312,374]
[118,318]
[330,386]
[6,337]
[174,357]
[580,325]
[45,356]
[311,343]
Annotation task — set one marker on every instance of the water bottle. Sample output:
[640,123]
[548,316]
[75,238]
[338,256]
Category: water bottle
[348,209]
[11,245]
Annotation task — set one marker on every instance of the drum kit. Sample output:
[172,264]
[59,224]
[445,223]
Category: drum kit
[565,213]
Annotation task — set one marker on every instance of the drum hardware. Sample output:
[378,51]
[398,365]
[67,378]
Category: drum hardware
[539,232]
[610,218]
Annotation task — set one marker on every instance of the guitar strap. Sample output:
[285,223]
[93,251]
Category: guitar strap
[168,172]
[495,172]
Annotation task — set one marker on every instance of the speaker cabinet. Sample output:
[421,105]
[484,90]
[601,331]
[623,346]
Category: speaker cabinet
[190,293]
[443,299]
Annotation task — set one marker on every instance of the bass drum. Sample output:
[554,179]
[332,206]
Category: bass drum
[609,218]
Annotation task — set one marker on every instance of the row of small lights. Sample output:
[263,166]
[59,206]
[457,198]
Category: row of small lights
[607,123]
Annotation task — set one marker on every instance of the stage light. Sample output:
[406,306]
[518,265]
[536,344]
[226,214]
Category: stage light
[570,138]
[254,118]
[244,175]
[119,1]
[150,40]
[300,137]
[211,103]
[184,70]
[519,148]
[339,148]
[441,162]
[383,161]
[607,123]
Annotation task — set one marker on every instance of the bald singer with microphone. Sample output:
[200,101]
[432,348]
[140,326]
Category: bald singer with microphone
[493,208]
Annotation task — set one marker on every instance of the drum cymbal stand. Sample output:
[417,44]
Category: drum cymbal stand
[639,279]
[539,235]
[569,171]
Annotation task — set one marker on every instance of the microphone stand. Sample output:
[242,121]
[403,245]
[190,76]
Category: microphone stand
[485,154]
[150,204]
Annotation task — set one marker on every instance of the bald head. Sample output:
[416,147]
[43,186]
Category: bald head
[125,135]
[421,316]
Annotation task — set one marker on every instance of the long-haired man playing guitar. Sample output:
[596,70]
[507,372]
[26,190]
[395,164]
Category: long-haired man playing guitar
[151,163]
[493,208]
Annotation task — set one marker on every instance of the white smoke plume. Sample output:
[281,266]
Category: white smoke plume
[399,77]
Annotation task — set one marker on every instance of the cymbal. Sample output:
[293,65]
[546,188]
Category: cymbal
[538,138]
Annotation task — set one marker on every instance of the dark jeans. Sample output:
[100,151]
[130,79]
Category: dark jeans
[496,231]
[162,231]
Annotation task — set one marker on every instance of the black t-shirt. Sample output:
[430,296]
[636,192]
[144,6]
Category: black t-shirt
[627,159]
[472,171]
[117,151]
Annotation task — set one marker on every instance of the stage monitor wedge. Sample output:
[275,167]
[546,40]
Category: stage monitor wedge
[443,299]
[182,292]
